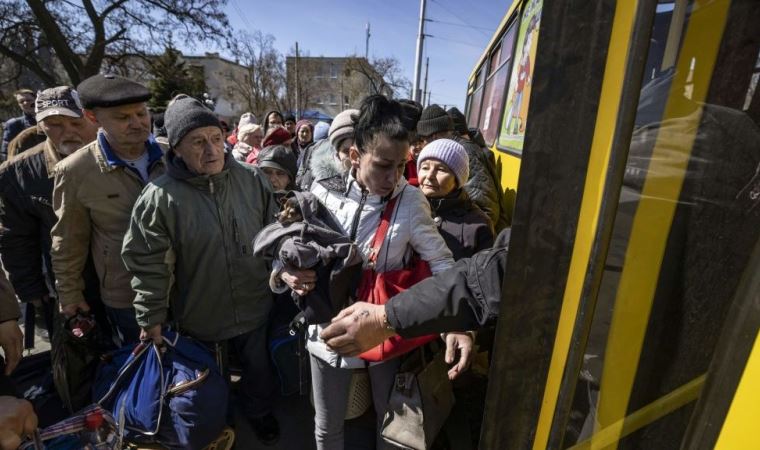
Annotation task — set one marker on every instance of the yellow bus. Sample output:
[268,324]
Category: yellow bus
[629,132]
[499,88]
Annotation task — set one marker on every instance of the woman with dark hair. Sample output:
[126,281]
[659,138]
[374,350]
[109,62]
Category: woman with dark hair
[357,201]
[272,119]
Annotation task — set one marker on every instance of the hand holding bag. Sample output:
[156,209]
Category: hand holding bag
[377,287]
[420,403]
[174,395]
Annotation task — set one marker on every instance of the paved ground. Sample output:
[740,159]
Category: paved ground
[296,417]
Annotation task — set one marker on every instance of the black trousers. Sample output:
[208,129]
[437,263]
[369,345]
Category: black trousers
[7,386]
[257,384]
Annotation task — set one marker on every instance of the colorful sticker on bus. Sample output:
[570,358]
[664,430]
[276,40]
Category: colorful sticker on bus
[515,116]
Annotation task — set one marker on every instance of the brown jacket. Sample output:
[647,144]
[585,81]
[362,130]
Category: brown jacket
[25,140]
[93,199]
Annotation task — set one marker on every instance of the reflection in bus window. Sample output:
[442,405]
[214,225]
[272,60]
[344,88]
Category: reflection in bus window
[688,217]
[515,115]
[496,85]
[477,97]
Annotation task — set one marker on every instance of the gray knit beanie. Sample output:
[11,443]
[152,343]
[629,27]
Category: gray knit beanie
[342,127]
[183,115]
[458,120]
[433,120]
[279,157]
[450,153]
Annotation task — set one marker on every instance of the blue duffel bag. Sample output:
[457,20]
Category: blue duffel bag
[173,394]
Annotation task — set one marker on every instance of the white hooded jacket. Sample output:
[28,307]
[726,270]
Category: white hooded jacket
[411,228]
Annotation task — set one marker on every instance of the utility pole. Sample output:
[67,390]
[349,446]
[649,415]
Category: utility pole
[418,62]
[430,95]
[298,85]
[366,45]
[366,56]
[424,90]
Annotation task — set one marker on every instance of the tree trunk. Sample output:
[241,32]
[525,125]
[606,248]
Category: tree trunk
[68,58]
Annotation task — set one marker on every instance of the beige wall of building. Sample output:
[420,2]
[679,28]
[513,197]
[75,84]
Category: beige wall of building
[330,84]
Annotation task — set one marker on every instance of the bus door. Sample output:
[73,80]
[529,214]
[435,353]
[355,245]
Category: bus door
[631,299]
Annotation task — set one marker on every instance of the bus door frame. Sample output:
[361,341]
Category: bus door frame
[566,112]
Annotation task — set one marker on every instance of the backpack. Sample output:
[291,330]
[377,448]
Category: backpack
[173,394]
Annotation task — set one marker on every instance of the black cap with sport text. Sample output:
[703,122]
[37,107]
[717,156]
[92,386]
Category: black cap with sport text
[57,101]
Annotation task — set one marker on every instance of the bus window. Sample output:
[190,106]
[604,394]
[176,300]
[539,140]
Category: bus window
[512,132]
[477,97]
[688,217]
[496,86]
[468,100]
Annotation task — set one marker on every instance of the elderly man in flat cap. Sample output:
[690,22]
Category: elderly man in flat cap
[189,248]
[95,189]
[26,191]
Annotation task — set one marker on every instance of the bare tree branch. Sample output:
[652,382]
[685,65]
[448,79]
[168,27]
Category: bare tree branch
[31,64]
[68,58]
[82,35]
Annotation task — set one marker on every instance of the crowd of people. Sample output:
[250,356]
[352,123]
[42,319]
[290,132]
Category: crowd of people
[153,218]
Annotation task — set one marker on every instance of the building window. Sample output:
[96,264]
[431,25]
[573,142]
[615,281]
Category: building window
[333,71]
[333,99]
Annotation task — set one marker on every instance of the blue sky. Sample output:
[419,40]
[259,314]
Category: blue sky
[337,28]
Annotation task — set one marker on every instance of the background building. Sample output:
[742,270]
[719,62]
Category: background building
[328,85]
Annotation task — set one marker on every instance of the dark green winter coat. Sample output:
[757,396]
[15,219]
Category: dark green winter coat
[188,249]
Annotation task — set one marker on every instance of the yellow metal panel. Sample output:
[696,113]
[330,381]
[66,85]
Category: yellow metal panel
[654,215]
[601,147]
[510,168]
[740,428]
[646,415]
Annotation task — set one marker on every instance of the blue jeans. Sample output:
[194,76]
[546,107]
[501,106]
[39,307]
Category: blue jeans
[124,324]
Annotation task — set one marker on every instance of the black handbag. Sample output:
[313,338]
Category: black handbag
[420,401]
[76,349]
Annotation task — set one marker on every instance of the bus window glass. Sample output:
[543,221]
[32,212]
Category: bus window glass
[467,103]
[477,98]
[494,60]
[687,219]
[493,99]
[512,131]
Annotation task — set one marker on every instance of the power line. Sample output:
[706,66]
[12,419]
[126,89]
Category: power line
[242,14]
[458,24]
[470,44]
[457,16]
